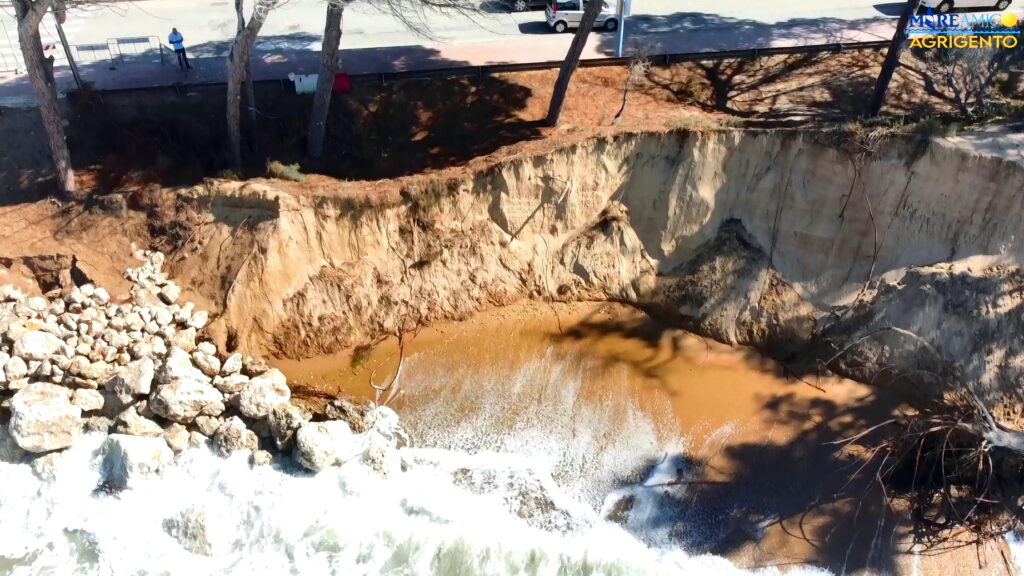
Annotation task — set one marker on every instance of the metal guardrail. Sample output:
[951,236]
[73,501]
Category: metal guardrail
[133,46]
[8,63]
[9,57]
[87,53]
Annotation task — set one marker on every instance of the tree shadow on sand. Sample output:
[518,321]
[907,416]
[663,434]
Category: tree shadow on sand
[376,131]
[767,88]
[801,491]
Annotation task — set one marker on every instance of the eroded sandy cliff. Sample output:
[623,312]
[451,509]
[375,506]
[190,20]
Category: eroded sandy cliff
[766,239]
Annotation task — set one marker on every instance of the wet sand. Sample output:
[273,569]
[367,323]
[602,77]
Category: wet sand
[768,488]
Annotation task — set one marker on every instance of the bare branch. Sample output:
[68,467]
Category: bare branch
[391,386]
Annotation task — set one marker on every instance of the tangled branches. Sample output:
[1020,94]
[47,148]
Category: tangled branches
[952,466]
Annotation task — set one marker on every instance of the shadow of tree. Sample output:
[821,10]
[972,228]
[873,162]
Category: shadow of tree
[773,87]
[801,488]
[378,131]
[26,171]
[406,127]
[663,342]
[811,485]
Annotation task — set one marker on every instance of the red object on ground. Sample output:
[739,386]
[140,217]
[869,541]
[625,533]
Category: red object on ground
[342,84]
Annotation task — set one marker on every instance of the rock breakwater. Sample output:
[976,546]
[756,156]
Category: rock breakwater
[140,369]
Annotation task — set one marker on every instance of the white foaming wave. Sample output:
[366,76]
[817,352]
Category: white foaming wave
[1015,542]
[269,520]
[593,439]
[508,479]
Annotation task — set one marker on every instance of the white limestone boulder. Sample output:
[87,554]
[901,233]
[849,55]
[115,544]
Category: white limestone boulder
[38,345]
[133,380]
[207,363]
[178,367]
[127,458]
[319,445]
[231,384]
[16,369]
[284,420]
[131,423]
[263,393]
[176,437]
[233,436]
[87,400]
[232,365]
[183,400]
[43,418]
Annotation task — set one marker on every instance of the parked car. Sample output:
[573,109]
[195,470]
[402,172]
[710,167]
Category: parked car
[946,6]
[524,5]
[565,14]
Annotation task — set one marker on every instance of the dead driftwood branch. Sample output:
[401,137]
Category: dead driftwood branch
[390,388]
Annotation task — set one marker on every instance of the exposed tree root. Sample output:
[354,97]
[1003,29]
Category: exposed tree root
[957,470]
[949,463]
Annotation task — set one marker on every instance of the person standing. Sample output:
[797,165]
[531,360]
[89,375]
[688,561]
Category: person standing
[177,42]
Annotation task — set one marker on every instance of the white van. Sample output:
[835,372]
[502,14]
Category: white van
[946,6]
[565,14]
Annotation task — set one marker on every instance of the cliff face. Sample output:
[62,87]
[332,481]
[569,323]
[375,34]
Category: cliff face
[755,238]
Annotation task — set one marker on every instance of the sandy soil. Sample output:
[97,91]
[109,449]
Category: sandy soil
[103,245]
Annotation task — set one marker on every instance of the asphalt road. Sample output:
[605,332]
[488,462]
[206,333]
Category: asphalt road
[298,24]
[376,42]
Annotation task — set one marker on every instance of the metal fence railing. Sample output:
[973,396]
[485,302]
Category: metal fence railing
[89,53]
[9,63]
[10,58]
[134,47]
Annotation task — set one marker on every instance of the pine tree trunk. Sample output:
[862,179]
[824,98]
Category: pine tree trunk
[249,95]
[29,15]
[325,81]
[892,58]
[572,60]
[237,63]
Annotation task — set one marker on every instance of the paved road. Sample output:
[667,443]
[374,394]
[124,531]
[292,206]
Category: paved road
[298,24]
[375,42]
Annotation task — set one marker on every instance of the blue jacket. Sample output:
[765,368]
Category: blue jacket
[176,41]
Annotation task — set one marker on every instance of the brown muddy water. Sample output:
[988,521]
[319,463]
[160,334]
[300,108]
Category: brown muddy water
[744,454]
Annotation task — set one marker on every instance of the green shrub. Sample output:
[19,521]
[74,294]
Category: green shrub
[360,356]
[693,91]
[705,124]
[230,175]
[935,127]
[281,171]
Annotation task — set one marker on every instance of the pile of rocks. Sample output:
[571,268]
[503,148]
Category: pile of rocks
[139,369]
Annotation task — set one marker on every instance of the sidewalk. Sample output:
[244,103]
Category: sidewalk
[536,45]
